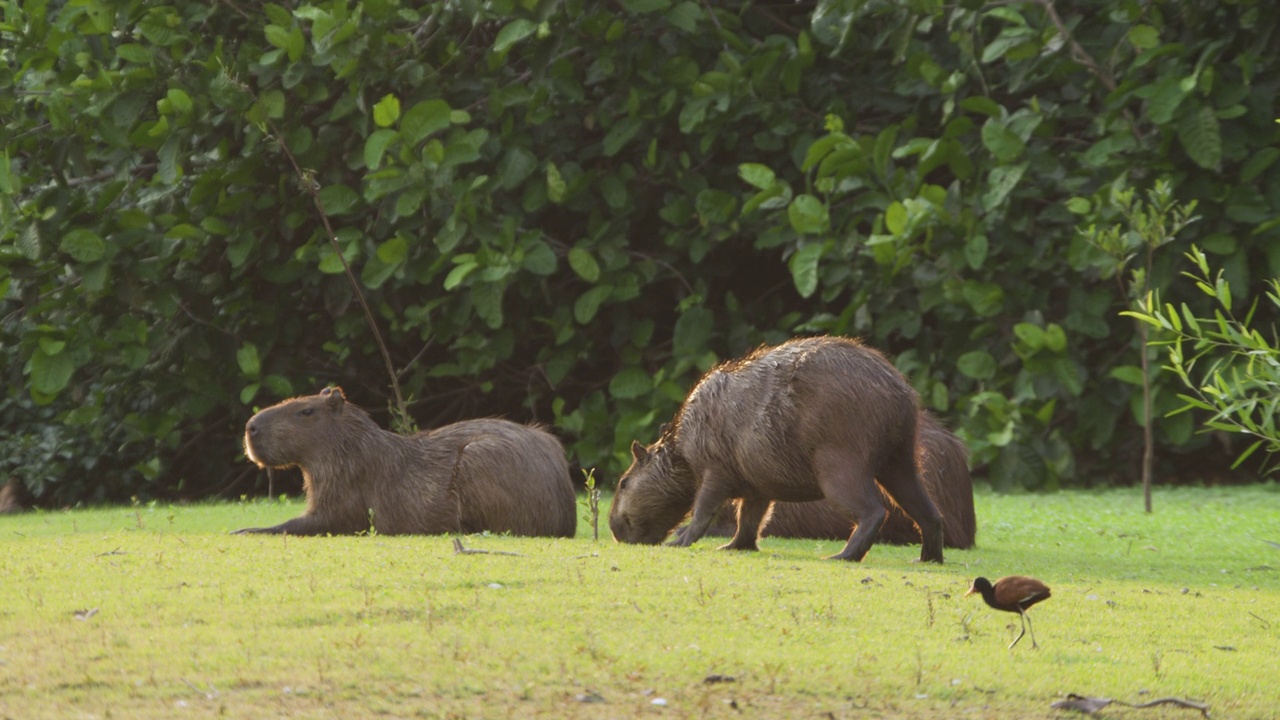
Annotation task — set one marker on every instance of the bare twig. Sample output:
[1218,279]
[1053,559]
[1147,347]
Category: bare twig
[458,549]
[211,694]
[409,365]
[238,10]
[313,189]
[1077,52]
[1091,705]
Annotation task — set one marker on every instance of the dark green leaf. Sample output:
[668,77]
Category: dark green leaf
[588,303]
[620,134]
[51,373]
[692,331]
[584,264]
[512,33]
[1002,182]
[338,199]
[424,118]
[539,259]
[630,383]
[1001,141]
[977,364]
[516,166]
[83,245]
[376,146]
[716,206]
[247,359]
[804,269]
[1201,138]
[686,16]
[757,175]
[1144,37]
[807,215]
[646,6]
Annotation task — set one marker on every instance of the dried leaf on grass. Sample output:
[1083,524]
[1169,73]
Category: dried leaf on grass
[1092,705]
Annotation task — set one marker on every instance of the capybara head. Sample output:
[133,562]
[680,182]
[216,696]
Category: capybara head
[301,431]
[653,496]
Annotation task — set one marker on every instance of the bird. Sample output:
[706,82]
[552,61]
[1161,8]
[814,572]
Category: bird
[1014,593]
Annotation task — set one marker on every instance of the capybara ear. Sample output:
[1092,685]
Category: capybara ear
[638,451]
[333,397]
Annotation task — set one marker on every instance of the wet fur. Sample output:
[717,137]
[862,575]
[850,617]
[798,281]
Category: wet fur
[466,477]
[812,418]
[943,461]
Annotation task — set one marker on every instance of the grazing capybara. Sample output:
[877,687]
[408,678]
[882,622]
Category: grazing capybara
[944,467]
[812,418]
[466,477]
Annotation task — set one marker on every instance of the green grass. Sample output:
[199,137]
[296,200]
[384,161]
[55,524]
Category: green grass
[189,621]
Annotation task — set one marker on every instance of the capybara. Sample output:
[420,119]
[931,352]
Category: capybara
[812,418]
[944,467]
[466,477]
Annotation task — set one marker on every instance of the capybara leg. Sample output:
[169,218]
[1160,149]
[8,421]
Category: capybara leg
[852,487]
[711,495]
[902,481]
[751,512]
[301,525]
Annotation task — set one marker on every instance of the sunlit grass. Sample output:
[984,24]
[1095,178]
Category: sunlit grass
[155,612]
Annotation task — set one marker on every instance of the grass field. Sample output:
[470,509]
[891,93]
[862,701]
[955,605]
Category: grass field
[155,612]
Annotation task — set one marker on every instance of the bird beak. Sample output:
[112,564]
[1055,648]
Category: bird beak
[971,591]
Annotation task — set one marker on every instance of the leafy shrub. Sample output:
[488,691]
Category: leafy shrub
[564,211]
[1229,367]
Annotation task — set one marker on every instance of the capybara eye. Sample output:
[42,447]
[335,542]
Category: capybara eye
[306,412]
[622,484]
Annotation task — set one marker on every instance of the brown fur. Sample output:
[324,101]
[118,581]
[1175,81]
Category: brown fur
[813,418]
[943,461]
[13,497]
[466,477]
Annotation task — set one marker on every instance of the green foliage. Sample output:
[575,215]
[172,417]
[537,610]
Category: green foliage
[1229,366]
[590,502]
[565,211]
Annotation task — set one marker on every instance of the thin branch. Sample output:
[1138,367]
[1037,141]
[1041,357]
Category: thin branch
[313,189]
[409,366]
[1077,52]
[458,549]
[237,9]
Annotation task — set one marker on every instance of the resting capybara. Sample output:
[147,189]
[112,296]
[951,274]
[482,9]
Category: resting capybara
[812,418]
[466,477]
[944,467]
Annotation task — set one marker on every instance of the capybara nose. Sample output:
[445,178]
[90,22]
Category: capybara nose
[252,429]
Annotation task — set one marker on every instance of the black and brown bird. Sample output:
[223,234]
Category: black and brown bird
[1014,593]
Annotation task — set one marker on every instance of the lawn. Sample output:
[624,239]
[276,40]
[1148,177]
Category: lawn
[156,612]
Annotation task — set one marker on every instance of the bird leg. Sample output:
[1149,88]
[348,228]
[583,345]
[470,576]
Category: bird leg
[1026,623]
[1024,632]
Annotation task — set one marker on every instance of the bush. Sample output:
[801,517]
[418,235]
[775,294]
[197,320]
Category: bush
[1230,368]
[565,211]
